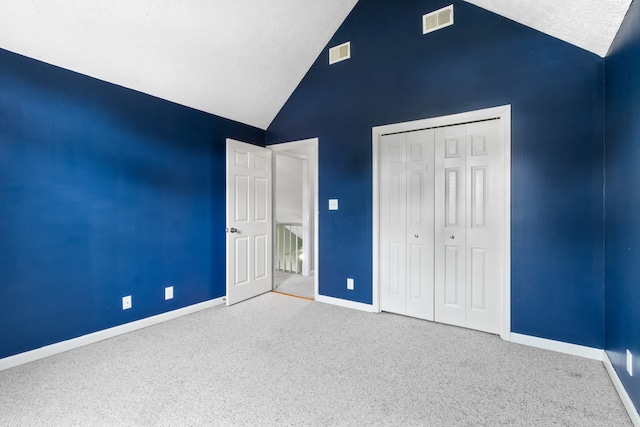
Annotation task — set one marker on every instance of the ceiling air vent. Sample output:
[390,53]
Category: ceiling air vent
[340,53]
[439,19]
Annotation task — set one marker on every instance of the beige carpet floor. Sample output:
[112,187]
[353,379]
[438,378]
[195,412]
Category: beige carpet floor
[282,361]
[294,284]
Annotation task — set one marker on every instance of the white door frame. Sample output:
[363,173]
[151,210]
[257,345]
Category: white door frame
[306,188]
[504,114]
[313,162]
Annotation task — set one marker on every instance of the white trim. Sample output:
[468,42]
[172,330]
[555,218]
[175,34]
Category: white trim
[61,347]
[290,154]
[589,353]
[505,117]
[292,145]
[622,392]
[504,114]
[375,211]
[345,303]
[558,346]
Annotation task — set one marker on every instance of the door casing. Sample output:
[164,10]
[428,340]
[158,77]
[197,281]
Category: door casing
[313,162]
[504,114]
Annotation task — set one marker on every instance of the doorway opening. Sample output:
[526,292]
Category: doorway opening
[295,216]
[436,249]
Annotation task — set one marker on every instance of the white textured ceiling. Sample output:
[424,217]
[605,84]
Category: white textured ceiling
[589,24]
[239,59]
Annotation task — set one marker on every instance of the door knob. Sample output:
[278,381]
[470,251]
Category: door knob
[232,230]
[452,237]
[416,236]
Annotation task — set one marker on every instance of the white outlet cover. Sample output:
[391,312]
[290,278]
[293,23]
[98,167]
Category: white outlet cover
[350,284]
[629,363]
[168,292]
[126,302]
[333,204]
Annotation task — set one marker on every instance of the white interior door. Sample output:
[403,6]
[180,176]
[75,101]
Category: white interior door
[406,223]
[249,221]
[469,225]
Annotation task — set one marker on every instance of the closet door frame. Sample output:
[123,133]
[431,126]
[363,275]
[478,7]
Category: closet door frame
[504,114]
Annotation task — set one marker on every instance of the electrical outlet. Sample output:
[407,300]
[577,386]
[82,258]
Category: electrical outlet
[629,363]
[126,302]
[168,292]
[350,284]
[333,204]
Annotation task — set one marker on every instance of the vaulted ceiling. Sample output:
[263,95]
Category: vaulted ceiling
[239,59]
[589,24]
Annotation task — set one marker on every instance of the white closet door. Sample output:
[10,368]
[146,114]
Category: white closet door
[450,224]
[484,226]
[468,232]
[406,224]
[420,175]
[393,214]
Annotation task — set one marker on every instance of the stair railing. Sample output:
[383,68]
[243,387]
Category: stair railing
[288,251]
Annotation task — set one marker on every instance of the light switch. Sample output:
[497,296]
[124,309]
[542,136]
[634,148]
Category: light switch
[333,204]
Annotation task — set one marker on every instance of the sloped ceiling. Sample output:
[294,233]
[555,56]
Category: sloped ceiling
[239,59]
[589,24]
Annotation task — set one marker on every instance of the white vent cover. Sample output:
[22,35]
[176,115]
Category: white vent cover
[439,19]
[340,53]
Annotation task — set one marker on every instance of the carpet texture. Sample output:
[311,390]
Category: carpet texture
[294,284]
[276,360]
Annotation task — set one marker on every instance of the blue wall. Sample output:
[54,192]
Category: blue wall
[622,156]
[396,74]
[104,192]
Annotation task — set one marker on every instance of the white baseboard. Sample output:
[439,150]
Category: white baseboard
[345,303]
[60,347]
[624,396]
[560,347]
[589,353]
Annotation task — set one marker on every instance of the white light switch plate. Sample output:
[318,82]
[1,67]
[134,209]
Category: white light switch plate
[168,292]
[333,204]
